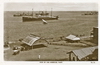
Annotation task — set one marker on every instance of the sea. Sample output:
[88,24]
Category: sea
[69,22]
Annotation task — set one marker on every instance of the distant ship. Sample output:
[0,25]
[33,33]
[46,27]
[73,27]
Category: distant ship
[22,14]
[39,16]
[91,13]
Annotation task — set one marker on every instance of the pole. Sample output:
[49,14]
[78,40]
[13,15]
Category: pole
[39,56]
[8,34]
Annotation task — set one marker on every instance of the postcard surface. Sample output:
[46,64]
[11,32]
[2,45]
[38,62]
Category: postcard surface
[50,32]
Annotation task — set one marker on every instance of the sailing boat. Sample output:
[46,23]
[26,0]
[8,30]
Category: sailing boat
[39,16]
[44,22]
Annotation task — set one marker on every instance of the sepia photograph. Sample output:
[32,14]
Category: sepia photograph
[47,31]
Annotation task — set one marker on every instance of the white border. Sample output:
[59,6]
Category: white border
[2,62]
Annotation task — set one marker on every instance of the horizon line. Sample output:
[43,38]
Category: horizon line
[49,10]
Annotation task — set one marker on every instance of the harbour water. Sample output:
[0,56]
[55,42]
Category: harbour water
[69,22]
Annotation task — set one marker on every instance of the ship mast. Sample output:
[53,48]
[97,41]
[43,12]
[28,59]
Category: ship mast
[51,12]
[32,13]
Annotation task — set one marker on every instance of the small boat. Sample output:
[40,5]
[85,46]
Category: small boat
[39,16]
[44,22]
[17,14]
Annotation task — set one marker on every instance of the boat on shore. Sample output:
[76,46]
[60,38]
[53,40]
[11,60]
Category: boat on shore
[39,16]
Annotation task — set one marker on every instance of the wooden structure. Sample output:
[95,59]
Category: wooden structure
[31,40]
[85,54]
[72,38]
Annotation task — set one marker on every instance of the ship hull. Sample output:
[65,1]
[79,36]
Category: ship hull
[26,19]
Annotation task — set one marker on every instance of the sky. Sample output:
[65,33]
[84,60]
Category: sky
[48,6]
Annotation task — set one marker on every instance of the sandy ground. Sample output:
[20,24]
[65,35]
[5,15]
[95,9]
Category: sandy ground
[51,53]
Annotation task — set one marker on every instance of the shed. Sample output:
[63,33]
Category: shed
[72,38]
[30,41]
[94,55]
[82,54]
